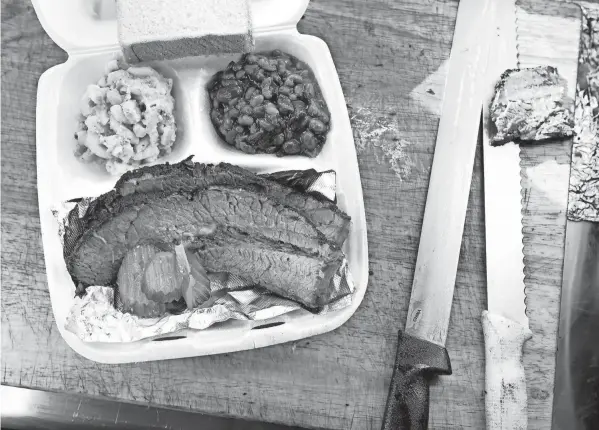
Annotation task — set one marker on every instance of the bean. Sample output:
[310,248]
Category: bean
[299,106]
[240,74]
[230,136]
[291,147]
[228,75]
[259,112]
[286,60]
[309,90]
[293,96]
[255,137]
[246,110]
[285,91]
[316,111]
[299,89]
[279,139]
[257,100]
[251,58]
[265,125]
[284,105]
[289,82]
[271,109]
[250,68]
[239,129]
[308,140]
[289,134]
[313,109]
[260,76]
[216,117]
[317,126]
[300,123]
[254,128]
[297,79]
[266,65]
[246,148]
[276,120]
[267,93]
[228,123]
[233,113]
[245,120]
[226,94]
[230,82]
[249,93]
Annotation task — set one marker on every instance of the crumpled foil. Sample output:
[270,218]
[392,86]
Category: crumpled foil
[96,316]
[583,199]
[531,104]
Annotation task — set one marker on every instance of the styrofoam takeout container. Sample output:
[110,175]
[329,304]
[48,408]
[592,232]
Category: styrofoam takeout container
[91,41]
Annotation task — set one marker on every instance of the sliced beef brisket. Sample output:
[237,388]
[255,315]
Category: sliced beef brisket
[280,268]
[189,176]
[114,224]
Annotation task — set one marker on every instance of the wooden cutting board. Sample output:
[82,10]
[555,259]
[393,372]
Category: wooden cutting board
[390,56]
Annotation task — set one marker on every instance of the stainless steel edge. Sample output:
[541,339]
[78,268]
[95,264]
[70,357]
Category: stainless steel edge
[502,185]
[576,392]
[451,175]
[27,409]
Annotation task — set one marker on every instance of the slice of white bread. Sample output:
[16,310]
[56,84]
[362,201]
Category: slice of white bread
[169,29]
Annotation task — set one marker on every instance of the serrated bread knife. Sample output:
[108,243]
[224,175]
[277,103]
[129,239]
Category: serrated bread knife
[505,325]
[421,352]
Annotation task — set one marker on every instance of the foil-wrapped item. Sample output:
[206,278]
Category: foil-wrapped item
[96,314]
[583,200]
[531,104]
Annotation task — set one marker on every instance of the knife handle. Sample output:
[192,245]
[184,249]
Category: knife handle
[506,401]
[415,363]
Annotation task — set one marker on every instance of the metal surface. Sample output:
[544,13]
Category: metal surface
[33,409]
[503,210]
[576,395]
[449,186]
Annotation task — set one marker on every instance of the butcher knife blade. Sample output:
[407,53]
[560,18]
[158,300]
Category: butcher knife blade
[421,352]
[505,324]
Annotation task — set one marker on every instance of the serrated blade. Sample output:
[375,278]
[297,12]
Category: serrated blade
[503,210]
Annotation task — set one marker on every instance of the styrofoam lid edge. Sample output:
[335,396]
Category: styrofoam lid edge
[77,26]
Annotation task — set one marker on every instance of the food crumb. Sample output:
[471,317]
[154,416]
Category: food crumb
[382,136]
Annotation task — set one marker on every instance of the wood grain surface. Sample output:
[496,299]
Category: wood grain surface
[389,55]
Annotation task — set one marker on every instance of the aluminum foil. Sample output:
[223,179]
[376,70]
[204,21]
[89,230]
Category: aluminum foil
[96,316]
[583,199]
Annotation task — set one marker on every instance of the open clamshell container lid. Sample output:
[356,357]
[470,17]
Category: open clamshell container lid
[79,26]
[87,31]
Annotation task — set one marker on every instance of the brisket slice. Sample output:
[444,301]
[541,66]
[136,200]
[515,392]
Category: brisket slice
[188,176]
[105,234]
[280,268]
